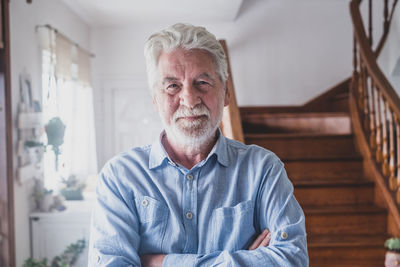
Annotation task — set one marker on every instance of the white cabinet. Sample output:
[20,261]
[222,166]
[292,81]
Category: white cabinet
[51,233]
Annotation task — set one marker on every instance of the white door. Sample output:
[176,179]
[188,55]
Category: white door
[130,119]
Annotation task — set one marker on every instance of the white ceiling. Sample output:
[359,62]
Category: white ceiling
[119,12]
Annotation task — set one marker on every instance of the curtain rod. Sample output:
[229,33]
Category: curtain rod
[48,26]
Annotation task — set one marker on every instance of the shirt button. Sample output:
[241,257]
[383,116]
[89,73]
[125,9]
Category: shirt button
[145,202]
[284,235]
[189,215]
[190,177]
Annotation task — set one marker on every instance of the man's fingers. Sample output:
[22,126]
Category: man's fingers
[259,240]
[266,240]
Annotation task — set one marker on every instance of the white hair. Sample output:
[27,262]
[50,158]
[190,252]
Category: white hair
[184,36]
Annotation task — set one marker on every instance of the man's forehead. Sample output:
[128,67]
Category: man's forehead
[181,56]
[175,61]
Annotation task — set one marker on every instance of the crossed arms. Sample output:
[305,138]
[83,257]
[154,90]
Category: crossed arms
[156,260]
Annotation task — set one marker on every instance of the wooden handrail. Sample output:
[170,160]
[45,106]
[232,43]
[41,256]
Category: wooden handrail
[375,110]
[386,27]
[231,125]
[369,59]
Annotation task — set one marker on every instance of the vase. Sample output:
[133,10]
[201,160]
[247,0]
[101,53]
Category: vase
[392,259]
[46,203]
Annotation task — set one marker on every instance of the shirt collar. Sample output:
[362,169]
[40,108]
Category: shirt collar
[158,154]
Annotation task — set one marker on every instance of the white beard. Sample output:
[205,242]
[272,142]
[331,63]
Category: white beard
[192,134]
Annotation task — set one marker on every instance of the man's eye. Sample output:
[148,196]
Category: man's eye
[172,88]
[203,83]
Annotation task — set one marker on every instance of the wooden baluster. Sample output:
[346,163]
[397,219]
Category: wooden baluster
[364,78]
[370,22]
[385,144]
[392,167]
[378,155]
[354,55]
[385,17]
[360,97]
[398,158]
[354,80]
[392,10]
[372,139]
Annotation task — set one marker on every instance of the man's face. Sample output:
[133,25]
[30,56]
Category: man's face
[189,95]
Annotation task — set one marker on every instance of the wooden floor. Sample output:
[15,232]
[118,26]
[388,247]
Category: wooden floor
[344,226]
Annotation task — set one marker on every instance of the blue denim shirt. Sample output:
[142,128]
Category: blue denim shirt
[206,216]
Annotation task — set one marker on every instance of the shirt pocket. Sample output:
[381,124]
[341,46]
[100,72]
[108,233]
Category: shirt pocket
[233,227]
[153,216]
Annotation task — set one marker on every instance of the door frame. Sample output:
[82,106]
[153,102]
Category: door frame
[7,245]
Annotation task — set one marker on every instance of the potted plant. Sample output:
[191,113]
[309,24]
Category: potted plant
[393,254]
[66,259]
[55,130]
[35,150]
[73,188]
[42,196]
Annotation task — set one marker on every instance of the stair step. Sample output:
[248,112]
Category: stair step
[338,182]
[304,122]
[349,240]
[323,169]
[306,146]
[344,253]
[342,96]
[347,263]
[334,192]
[346,248]
[345,219]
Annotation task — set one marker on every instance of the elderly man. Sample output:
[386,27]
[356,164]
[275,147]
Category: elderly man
[194,197]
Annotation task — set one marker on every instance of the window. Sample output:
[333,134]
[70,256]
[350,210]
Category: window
[67,94]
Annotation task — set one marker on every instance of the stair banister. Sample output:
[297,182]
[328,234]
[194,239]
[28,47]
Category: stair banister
[231,125]
[375,108]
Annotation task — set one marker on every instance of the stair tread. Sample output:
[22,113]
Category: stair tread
[344,263]
[343,209]
[355,157]
[297,135]
[319,181]
[346,240]
[296,114]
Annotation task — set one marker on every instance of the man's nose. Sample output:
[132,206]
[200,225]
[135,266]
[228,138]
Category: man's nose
[189,96]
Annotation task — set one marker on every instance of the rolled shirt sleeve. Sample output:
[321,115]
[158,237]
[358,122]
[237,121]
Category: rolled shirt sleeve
[114,234]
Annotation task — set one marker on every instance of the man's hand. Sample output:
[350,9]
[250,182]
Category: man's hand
[262,240]
[152,260]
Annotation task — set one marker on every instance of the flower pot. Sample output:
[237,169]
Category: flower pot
[72,194]
[392,259]
[46,203]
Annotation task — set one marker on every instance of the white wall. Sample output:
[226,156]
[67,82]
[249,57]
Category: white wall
[282,53]
[25,54]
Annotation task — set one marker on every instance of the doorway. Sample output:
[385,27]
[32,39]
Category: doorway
[7,241]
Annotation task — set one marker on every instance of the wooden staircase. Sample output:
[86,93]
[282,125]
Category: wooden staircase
[344,225]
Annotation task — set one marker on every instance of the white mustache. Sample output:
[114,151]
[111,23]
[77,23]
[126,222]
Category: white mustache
[199,110]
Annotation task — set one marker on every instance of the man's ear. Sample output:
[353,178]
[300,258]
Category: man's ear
[227,97]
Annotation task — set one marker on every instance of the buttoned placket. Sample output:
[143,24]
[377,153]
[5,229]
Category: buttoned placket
[190,211]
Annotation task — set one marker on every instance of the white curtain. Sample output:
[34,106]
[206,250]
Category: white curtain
[67,93]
